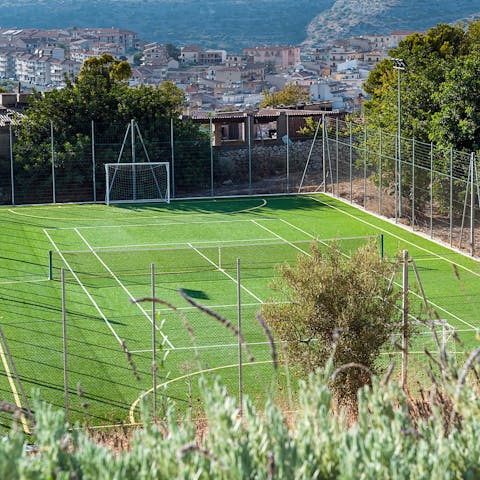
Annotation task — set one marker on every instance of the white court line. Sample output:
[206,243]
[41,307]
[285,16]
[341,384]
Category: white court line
[182,377]
[105,319]
[18,403]
[397,237]
[414,293]
[125,289]
[281,238]
[158,224]
[167,245]
[207,347]
[12,282]
[225,273]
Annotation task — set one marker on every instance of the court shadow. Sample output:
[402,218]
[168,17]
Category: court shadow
[196,294]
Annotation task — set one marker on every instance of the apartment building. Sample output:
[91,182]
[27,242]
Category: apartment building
[7,63]
[277,56]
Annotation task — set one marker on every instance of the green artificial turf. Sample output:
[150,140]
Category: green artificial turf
[107,253]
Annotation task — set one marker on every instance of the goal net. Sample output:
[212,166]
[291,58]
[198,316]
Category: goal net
[137,182]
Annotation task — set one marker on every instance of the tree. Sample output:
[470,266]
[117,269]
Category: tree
[172,51]
[335,306]
[291,94]
[100,93]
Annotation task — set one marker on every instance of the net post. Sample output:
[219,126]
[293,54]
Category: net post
[50,265]
[219,257]
[382,250]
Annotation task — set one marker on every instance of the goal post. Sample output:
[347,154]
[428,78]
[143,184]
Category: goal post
[137,182]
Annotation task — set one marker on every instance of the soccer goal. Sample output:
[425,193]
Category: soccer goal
[137,182]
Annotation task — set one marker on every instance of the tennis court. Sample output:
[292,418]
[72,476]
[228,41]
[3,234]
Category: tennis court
[107,253]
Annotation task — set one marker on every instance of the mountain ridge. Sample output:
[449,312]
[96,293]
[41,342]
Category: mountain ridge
[235,24]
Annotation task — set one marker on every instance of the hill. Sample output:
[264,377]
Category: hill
[233,24]
[360,17]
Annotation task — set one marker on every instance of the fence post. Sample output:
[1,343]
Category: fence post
[12,177]
[249,126]
[323,155]
[239,326]
[288,154]
[351,162]
[472,205]
[52,147]
[380,186]
[365,167]
[93,164]
[405,320]
[154,345]
[431,190]
[211,156]
[172,150]
[413,184]
[64,335]
[451,196]
[336,157]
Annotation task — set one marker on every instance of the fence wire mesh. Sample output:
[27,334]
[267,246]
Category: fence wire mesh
[433,190]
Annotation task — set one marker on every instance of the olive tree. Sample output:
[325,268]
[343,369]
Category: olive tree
[334,306]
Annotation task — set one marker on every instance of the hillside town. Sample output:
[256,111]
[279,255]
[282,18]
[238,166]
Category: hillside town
[213,80]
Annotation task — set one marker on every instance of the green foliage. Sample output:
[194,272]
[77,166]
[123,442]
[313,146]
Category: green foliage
[384,442]
[338,304]
[439,63]
[172,51]
[100,94]
[291,94]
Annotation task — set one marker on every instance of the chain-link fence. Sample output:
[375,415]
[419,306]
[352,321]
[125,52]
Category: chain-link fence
[431,189]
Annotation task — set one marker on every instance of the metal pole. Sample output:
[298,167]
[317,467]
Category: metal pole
[12,178]
[249,153]
[351,162]
[50,265]
[395,183]
[53,161]
[154,347]
[336,156]
[64,332]
[405,320]
[134,176]
[431,190]
[288,155]
[399,147]
[380,186]
[93,164]
[211,156]
[472,205]
[240,360]
[323,155]
[413,184]
[451,196]
[172,148]
[365,167]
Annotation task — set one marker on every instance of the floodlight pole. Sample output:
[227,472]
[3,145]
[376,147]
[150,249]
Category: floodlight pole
[399,65]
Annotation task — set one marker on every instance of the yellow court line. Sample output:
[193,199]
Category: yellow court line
[131,414]
[14,389]
[71,219]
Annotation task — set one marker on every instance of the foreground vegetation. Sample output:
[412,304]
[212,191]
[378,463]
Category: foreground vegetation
[386,441]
